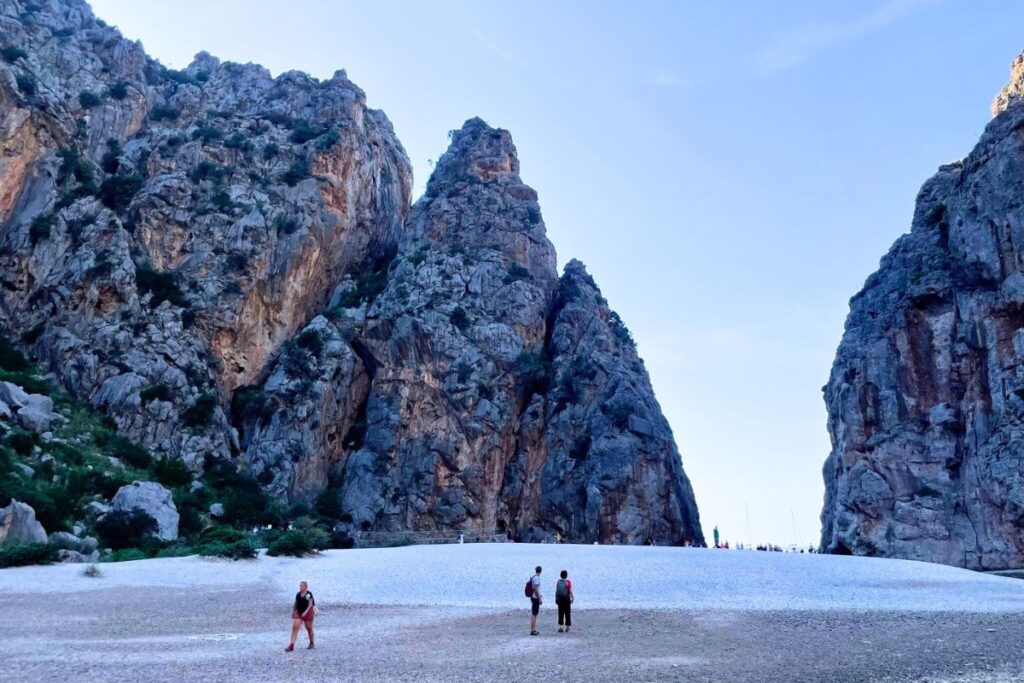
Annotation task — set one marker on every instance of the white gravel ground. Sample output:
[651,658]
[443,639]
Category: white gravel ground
[430,614]
[491,576]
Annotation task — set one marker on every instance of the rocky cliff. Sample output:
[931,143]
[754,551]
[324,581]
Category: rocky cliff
[228,265]
[926,396]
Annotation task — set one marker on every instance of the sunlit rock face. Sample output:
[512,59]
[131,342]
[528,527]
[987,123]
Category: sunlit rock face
[477,389]
[926,396]
[174,229]
[229,265]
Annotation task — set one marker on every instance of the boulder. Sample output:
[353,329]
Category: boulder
[76,557]
[64,540]
[67,541]
[13,395]
[18,524]
[155,501]
[96,509]
[37,414]
[88,545]
[217,510]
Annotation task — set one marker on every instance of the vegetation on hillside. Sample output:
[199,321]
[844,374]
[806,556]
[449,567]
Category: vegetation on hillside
[85,460]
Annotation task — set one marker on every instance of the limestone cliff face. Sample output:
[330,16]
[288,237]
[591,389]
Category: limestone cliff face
[170,230]
[465,308]
[494,395]
[596,458]
[926,397]
[228,264]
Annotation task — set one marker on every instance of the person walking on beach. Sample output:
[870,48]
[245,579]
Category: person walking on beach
[535,600]
[302,615]
[564,598]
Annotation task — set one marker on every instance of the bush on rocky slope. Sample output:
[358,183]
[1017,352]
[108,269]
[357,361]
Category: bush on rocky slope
[21,554]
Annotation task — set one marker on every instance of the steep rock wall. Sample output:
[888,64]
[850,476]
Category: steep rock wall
[926,396]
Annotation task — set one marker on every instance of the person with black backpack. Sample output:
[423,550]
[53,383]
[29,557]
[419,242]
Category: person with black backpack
[564,598]
[533,592]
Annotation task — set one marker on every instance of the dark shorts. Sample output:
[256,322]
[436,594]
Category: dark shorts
[308,618]
[534,606]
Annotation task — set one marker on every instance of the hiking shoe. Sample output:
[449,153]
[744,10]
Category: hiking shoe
[560,629]
[311,647]
[290,648]
[534,633]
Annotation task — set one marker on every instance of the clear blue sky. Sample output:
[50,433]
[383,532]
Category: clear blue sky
[729,172]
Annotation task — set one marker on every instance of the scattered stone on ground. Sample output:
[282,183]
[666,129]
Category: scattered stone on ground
[239,633]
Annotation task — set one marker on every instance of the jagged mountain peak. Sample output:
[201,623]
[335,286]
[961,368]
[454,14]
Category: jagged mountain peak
[576,271]
[477,152]
[1013,90]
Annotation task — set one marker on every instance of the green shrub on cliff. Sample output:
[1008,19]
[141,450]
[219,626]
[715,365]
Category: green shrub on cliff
[117,192]
[11,358]
[161,285]
[40,228]
[12,54]
[89,100]
[531,370]
[200,413]
[118,91]
[296,173]
[26,84]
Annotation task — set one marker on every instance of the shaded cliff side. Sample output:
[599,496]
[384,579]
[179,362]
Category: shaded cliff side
[926,396]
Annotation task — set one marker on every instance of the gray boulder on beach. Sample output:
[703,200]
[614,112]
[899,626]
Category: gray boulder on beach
[18,524]
[155,501]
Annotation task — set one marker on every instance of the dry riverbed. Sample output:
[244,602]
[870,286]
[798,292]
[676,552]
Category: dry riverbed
[228,634]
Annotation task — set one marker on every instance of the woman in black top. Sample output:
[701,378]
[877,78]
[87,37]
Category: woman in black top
[302,614]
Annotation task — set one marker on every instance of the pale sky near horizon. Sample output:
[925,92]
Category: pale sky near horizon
[730,173]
